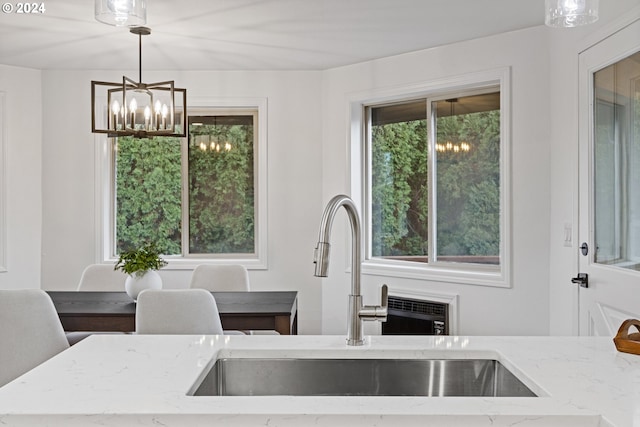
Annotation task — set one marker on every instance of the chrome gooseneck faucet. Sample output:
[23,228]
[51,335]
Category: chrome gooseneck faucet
[357,312]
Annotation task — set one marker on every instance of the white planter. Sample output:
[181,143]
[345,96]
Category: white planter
[136,284]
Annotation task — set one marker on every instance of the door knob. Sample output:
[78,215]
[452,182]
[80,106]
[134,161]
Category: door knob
[582,279]
[584,248]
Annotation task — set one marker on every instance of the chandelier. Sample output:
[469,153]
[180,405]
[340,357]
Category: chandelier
[570,13]
[121,13]
[206,132]
[207,143]
[450,146]
[453,147]
[141,110]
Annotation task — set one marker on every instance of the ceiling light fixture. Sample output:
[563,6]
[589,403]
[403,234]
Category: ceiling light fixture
[210,139]
[142,110]
[121,13]
[449,146]
[570,13]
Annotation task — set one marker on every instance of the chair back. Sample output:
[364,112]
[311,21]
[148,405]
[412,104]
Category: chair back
[30,332]
[102,277]
[177,312]
[220,278]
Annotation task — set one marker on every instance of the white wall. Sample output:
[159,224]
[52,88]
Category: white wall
[523,308]
[22,171]
[294,138]
[564,47]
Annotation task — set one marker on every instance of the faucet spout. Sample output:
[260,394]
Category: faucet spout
[321,259]
[322,250]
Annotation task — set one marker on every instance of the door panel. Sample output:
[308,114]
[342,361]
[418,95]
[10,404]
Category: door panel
[609,182]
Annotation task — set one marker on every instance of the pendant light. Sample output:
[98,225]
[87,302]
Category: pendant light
[449,146]
[121,13]
[570,13]
[142,110]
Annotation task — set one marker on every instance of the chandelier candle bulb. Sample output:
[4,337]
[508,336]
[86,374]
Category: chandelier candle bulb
[115,108]
[165,111]
[147,117]
[132,108]
[157,107]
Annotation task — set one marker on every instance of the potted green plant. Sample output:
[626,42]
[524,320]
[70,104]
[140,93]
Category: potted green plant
[141,265]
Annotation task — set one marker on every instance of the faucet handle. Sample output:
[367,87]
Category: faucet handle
[376,312]
[384,304]
[384,298]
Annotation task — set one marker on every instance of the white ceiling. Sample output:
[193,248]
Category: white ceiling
[253,34]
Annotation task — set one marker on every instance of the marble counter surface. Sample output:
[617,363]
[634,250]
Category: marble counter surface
[128,380]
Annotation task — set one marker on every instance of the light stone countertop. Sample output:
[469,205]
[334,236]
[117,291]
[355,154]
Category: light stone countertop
[129,380]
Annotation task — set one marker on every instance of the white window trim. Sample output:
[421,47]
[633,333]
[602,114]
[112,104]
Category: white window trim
[440,272]
[104,189]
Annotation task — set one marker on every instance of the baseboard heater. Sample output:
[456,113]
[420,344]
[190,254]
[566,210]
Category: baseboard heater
[416,317]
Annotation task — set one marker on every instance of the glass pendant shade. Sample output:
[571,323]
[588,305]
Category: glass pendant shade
[570,13]
[121,13]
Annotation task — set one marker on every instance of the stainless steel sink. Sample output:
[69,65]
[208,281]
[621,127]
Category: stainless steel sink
[359,377]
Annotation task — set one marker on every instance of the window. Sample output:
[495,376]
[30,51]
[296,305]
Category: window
[434,188]
[616,163]
[220,184]
[197,198]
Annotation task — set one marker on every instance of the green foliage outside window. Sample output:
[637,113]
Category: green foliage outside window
[467,188]
[399,189]
[221,192]
[148,194]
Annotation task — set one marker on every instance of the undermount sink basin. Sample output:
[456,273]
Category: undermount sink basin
[359,377]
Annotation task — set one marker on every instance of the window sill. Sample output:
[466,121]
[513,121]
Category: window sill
[478,275]
[189,263]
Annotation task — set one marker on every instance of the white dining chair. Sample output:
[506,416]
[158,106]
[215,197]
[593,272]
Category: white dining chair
[224,278]
[102,277]
[220,278]
[177,311]
[30,332]
[95,278]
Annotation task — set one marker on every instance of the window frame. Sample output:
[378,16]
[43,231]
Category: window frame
[105,189]
[360,153]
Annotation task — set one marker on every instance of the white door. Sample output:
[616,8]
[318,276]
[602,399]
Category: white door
[609,182]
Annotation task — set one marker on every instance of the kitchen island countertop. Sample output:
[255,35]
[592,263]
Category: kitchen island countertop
[135,380]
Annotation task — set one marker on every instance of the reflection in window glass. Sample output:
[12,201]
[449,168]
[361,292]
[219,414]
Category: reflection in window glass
[617,163]
[221,184]
[467,150]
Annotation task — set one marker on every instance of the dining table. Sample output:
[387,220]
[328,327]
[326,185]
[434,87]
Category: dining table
[97,311]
